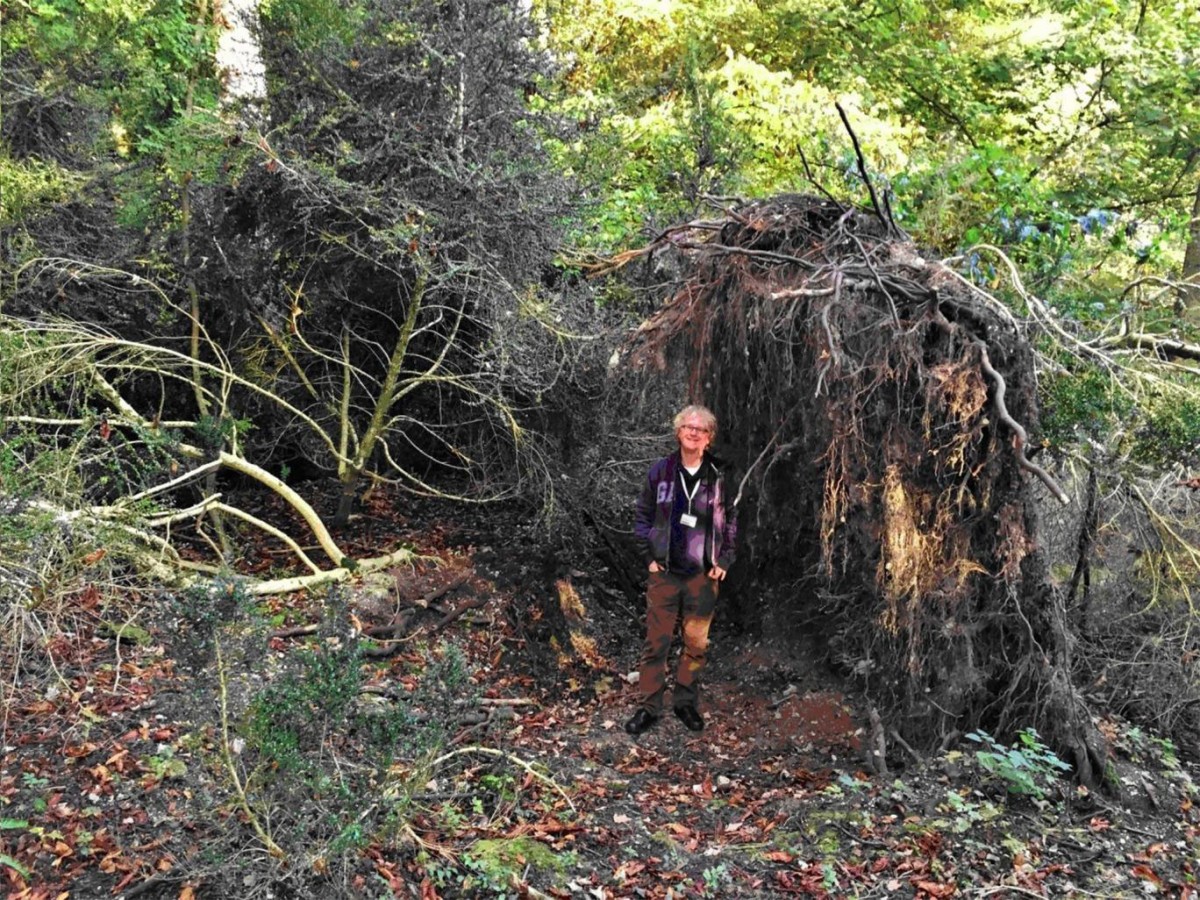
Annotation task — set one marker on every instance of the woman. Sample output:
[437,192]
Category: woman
[687,530]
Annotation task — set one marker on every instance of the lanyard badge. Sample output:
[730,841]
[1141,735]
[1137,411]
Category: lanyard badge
[688,519]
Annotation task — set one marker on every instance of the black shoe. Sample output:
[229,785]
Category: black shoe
[640,722]
[691,719]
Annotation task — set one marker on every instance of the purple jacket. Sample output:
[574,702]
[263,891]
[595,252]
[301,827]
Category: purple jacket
[652,518]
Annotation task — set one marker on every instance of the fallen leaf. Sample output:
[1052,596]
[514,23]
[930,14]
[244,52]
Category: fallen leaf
[1147,874]
[934,889]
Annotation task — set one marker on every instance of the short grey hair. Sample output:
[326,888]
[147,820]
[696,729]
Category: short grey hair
[703,412]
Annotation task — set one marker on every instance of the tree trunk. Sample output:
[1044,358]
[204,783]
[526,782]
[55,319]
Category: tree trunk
[1191,265]
[239,54]
[390,391]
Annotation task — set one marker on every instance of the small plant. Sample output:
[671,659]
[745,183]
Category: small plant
[5,859]
[715,879]
[1142,743]
[829,879]
[1027,768]
[845,784]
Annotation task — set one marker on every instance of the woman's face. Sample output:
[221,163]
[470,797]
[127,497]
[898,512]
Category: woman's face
[693,435]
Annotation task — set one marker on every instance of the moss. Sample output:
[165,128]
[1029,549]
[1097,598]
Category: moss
[829,843]
[127,632]
[503,855]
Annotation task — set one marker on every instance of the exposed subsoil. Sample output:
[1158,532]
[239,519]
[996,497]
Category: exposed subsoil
[115,779]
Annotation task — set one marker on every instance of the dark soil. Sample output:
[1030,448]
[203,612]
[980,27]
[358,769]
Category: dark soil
[115,779]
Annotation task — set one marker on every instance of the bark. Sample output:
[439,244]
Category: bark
[1191,264]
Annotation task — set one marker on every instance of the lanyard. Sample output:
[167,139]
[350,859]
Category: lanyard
[695,487]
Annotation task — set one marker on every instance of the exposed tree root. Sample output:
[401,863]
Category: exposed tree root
[878,408]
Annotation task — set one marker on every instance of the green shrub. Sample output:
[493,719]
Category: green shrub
[1081,404]
[1027,768]
[1170,432]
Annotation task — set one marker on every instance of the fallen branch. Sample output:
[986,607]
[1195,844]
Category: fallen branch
[1165,347]
[332,576]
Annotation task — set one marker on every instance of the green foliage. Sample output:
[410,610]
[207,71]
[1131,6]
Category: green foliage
[30,186]
[218,432]
[1027,768]
[493,866]
[717,879]
[313,24]
[292,726]
[1085,402]
[990,122]
[144,58]
[289,721]
[1141,745]
[1170,431]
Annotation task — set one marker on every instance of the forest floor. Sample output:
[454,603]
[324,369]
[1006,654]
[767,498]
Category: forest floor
[147,758]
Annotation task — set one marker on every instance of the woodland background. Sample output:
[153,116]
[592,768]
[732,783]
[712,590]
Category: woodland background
[273,340]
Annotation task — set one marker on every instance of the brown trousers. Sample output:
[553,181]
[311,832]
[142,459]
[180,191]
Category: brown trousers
[667,598]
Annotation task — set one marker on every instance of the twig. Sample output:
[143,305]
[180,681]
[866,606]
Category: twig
[788,692]
[862,168]
[812,178]
[437,593]
[210,466]
[492,751]
[887,204]
[295,631]
[227,757]
[149,884]
[396,626]
[501,701]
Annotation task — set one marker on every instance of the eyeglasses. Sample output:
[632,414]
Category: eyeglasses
[698,429]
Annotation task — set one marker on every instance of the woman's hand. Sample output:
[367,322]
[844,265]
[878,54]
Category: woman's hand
[654,566]
[716,573]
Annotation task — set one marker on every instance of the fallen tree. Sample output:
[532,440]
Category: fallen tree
[878,406]
[132,476]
